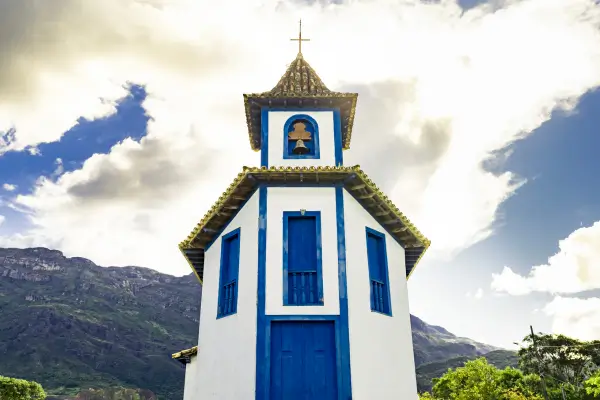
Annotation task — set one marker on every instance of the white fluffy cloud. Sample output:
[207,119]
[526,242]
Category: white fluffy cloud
[573,269]
[440,91]
[575,317]
[8,187]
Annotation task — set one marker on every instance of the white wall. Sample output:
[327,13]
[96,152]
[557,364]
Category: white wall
[326,139]
[190,391]
[381,351]
[227,346]
[295,199]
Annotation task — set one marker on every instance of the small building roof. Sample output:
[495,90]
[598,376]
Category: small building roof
[353,179]
[184,356]
[299,87]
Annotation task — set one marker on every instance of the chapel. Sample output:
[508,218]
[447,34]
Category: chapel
[303,263]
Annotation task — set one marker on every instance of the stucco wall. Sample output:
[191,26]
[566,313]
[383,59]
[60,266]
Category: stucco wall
[227,346]
[190,391]
[381,351]
[295,199]
[324,120]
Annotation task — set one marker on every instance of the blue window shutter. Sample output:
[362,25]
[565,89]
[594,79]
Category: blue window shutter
[228,280]
[302,244]
[378,272]
[302,283]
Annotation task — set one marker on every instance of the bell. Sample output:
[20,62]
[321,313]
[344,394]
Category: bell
[300,147]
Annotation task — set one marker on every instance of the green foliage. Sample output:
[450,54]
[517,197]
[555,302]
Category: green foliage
[478,380]
[427,372]
[592,385]
[560,358]
[20,389]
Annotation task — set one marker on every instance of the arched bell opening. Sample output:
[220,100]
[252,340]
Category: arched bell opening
[301,136]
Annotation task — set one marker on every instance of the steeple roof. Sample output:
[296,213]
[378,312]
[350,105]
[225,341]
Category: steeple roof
[299,87]
[300,79]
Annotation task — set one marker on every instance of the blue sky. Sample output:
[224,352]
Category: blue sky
[129,140]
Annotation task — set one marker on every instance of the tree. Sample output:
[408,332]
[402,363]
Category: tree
[478,380]
[20,389]
[592,385]
[560,357]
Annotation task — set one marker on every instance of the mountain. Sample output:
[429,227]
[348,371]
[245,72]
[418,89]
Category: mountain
[434,343]
[71,325]
[68,323]
[426,372]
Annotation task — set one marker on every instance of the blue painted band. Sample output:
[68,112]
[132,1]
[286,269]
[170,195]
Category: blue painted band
[262,325]
[264,137]
[344,331]
[303,317]
[296,184]
[337,136]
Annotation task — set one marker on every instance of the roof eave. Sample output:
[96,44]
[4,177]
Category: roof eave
[355,181]
[267,99]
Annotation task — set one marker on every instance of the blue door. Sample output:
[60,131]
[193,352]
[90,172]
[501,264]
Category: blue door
[303,361]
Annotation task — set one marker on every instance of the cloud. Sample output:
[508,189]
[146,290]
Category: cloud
[448,90]
[478,294]
[575,317]
[573,269]
[2,219]
[8,187]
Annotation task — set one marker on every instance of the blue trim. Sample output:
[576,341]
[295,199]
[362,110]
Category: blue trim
[337,132]
[300,109]
[218,234]
[224,238]
[312,184]
[344,342]
[315,139]
[271,318]
[286,217]
[264,138]
[337,137]
[263,327]
[370,231]
[263,321]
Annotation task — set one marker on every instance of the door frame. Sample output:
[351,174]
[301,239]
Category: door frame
[302,318]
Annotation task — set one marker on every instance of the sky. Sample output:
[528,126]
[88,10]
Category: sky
[122,122]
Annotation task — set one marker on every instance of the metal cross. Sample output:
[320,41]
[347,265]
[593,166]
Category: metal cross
[300,40]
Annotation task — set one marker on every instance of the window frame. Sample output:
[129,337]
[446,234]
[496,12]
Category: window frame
[224,239]
[319,267]
[381,236]
[286,142]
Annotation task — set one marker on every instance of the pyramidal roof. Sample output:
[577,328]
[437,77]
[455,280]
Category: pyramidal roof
[299,87]
[300,79]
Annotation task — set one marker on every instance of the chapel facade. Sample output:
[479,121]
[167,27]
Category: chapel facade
[303,263]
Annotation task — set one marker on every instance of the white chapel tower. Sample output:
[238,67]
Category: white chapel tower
[303,263]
